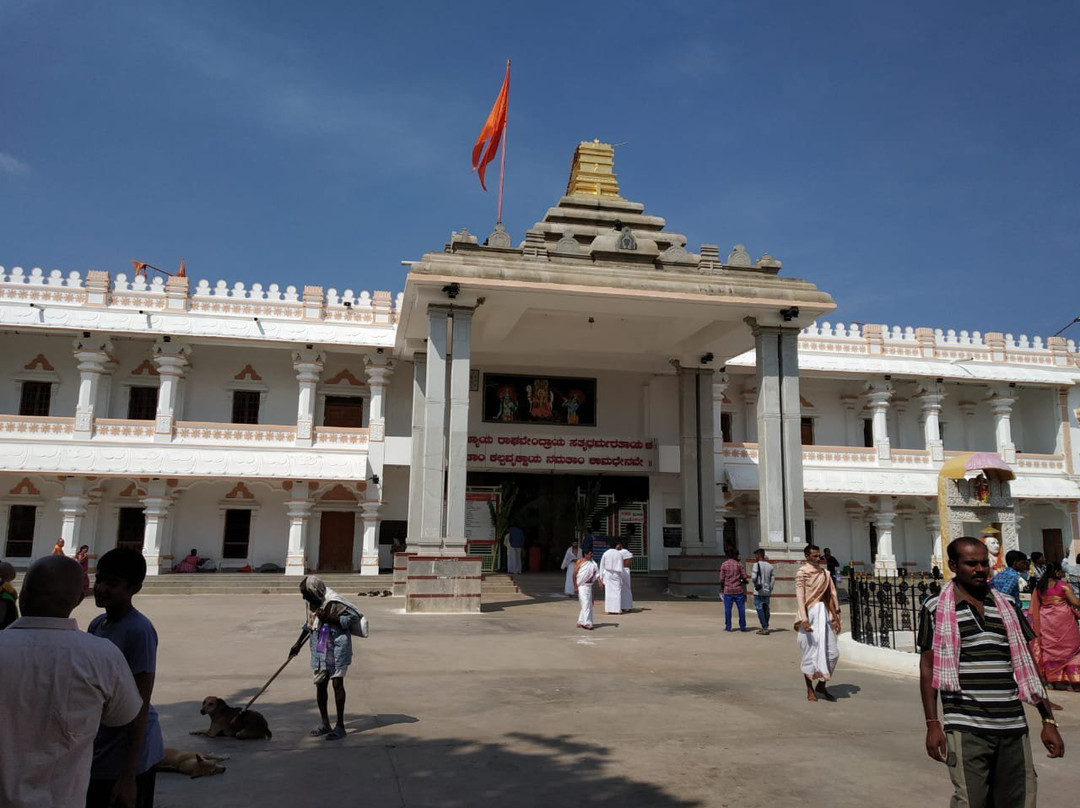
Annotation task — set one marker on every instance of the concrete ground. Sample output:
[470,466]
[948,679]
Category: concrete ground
[516,707]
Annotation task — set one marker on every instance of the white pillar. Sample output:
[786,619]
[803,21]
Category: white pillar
[696,463]
[298,508]
[458,439]
[930,397]
[719,389]
[156,505]
[308,364]
[850,404]
[432,508]
[94,358]
[369,561]
[885,563]
[967,412]
[937,552]
[170,359]
[878,395]
[857,519]
[780,452]
[1001,402]
[416,464]
[73,504]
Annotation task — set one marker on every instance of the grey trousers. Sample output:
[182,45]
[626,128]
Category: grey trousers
[990,771]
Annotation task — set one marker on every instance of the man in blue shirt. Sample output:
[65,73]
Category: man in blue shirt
[515,543]
[1008,580]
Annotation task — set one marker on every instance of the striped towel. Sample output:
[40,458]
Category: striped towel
[947,647]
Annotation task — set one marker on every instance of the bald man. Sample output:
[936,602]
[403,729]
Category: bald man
[57,686]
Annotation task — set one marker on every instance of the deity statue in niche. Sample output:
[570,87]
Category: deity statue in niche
[541,400]
[993,547]
[980,486]
[507,403]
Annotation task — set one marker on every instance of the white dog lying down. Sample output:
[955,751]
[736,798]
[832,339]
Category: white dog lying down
[193,764]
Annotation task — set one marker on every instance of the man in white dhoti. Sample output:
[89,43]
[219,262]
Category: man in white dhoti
[568,562]
[585,573]
[611,568]
[817,623]
[627,602]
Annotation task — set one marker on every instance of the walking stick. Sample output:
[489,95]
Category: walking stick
[271,679]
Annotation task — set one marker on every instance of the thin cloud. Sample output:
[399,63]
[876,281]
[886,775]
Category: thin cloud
[12,165]
[287,101]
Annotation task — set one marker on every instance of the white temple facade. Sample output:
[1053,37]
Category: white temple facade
[307,429]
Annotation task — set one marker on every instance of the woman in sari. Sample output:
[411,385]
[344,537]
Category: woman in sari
[83,557]
[1054,608]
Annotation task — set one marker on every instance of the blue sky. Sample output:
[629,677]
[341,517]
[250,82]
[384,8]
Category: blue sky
[917,160]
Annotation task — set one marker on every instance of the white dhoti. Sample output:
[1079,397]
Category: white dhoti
[569,587]
[627,593]
[818,646]
[584,596]
[612,592]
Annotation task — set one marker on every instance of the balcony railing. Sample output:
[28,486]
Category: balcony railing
[197,432]
[34,426]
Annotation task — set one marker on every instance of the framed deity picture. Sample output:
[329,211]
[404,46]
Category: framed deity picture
[537,399]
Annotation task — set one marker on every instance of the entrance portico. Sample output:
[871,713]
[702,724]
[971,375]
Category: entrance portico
[601,293]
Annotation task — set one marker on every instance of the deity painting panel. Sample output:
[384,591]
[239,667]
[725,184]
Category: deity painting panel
[519,399]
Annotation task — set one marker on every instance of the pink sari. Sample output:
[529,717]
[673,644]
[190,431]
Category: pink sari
[1057,647]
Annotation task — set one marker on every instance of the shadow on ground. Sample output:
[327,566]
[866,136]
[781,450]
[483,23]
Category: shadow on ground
[382,767]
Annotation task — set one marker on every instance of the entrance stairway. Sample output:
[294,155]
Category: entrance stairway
[497,585]
[256,583]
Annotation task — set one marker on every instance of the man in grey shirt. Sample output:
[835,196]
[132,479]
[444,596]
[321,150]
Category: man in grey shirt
[761,574]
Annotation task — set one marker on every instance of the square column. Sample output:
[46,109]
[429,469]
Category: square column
[885,562]
[171,360]
[308,364]
[779,415]
[94,361]
[156,508]
[433,461]
[878,395]
[298,509]
[719,390]
[416,462]
[369,556]
[458,439]
[930,397]
[73,504]
[1001,402]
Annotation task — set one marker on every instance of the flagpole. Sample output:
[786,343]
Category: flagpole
[502,162]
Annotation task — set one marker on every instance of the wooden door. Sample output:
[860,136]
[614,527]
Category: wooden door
[336,541]
[1053,549]
[344,411]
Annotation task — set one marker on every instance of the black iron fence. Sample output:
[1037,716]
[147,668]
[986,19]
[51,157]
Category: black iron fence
[885,609]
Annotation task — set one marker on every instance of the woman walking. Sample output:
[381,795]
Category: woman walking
[1054,608]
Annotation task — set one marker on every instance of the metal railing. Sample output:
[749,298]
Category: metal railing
[885,609]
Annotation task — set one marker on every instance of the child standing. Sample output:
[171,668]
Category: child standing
[585,573]
[126,758]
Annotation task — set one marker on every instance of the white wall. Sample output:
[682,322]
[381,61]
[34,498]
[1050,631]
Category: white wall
[211,379]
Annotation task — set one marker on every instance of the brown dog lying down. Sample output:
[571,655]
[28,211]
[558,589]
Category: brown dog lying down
[193,764]
[232,722]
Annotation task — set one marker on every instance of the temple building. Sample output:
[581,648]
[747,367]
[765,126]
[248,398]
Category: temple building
[597,375]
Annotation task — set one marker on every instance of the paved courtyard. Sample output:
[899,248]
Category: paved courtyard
[516,707]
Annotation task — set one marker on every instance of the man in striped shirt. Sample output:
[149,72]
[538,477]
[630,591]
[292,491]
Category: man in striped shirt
[984,737]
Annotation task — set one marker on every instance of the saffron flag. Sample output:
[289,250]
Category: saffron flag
[183,271]
[493,130]
[139,267]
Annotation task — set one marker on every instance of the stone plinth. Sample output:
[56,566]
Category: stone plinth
[401,572]
[694,575]
[443,584]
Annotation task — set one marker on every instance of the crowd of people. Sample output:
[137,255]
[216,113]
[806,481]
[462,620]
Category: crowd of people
[982,656]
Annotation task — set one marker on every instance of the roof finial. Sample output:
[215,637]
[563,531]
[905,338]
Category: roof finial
[592,172]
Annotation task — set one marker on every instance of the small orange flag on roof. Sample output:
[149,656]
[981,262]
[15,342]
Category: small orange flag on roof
[493,130]
[139,267]
[183,272]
